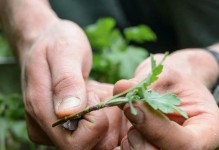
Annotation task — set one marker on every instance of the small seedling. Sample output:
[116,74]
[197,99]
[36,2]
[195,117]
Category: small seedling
[165,103]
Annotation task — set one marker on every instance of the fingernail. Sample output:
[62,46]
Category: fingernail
[69,103]
[135,119]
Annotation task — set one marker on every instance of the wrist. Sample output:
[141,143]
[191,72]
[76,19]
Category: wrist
[214,47]
[199,64]
[23,21]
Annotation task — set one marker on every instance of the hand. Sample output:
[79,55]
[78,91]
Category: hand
[54,69]
[111,121]
[153,130]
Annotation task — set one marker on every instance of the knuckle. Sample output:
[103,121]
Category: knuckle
[60,43]
[100,126]
[35,133]
[111,143]
[35,138]
[33,105]
[32,136]
[29,106]
[66,81]
[97,125]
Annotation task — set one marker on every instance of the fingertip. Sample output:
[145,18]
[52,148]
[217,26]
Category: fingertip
[68,106]
[155,127]
[123,85]
[134,119]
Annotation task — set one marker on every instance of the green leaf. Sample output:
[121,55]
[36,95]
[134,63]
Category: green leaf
[99,63]
[3,132]
[139,34]
[156,70]
[155,73]
[133,109]
[166,103]
[131,97]
[127,60]
[99,34]
[4,47]
[153,62]
[19,130]
[118,42]
[112,52]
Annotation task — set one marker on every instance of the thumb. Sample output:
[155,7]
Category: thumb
[69,91]
[158,129]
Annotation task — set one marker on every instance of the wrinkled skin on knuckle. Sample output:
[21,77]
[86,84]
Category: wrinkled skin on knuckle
[28,103]
[97,124]
[102,90]
[35,133]
[65,46]
[65,35]
[38,137]
[33,137]
[64,82]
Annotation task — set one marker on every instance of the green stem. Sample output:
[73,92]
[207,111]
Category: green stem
[111,103]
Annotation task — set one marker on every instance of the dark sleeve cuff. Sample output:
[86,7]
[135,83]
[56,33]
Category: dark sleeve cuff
[216,56]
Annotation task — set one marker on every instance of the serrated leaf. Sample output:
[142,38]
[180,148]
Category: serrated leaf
[156,70]
[166,103]
[155,73]
[140,34]
[153,62]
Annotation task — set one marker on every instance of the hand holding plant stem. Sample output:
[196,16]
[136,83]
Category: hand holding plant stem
[166,103]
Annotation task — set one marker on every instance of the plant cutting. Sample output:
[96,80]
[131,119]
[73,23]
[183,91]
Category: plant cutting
[165,103]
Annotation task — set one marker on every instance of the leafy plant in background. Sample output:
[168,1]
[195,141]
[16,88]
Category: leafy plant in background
[4,47]
[114,56]
[13,128]
[13,131]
